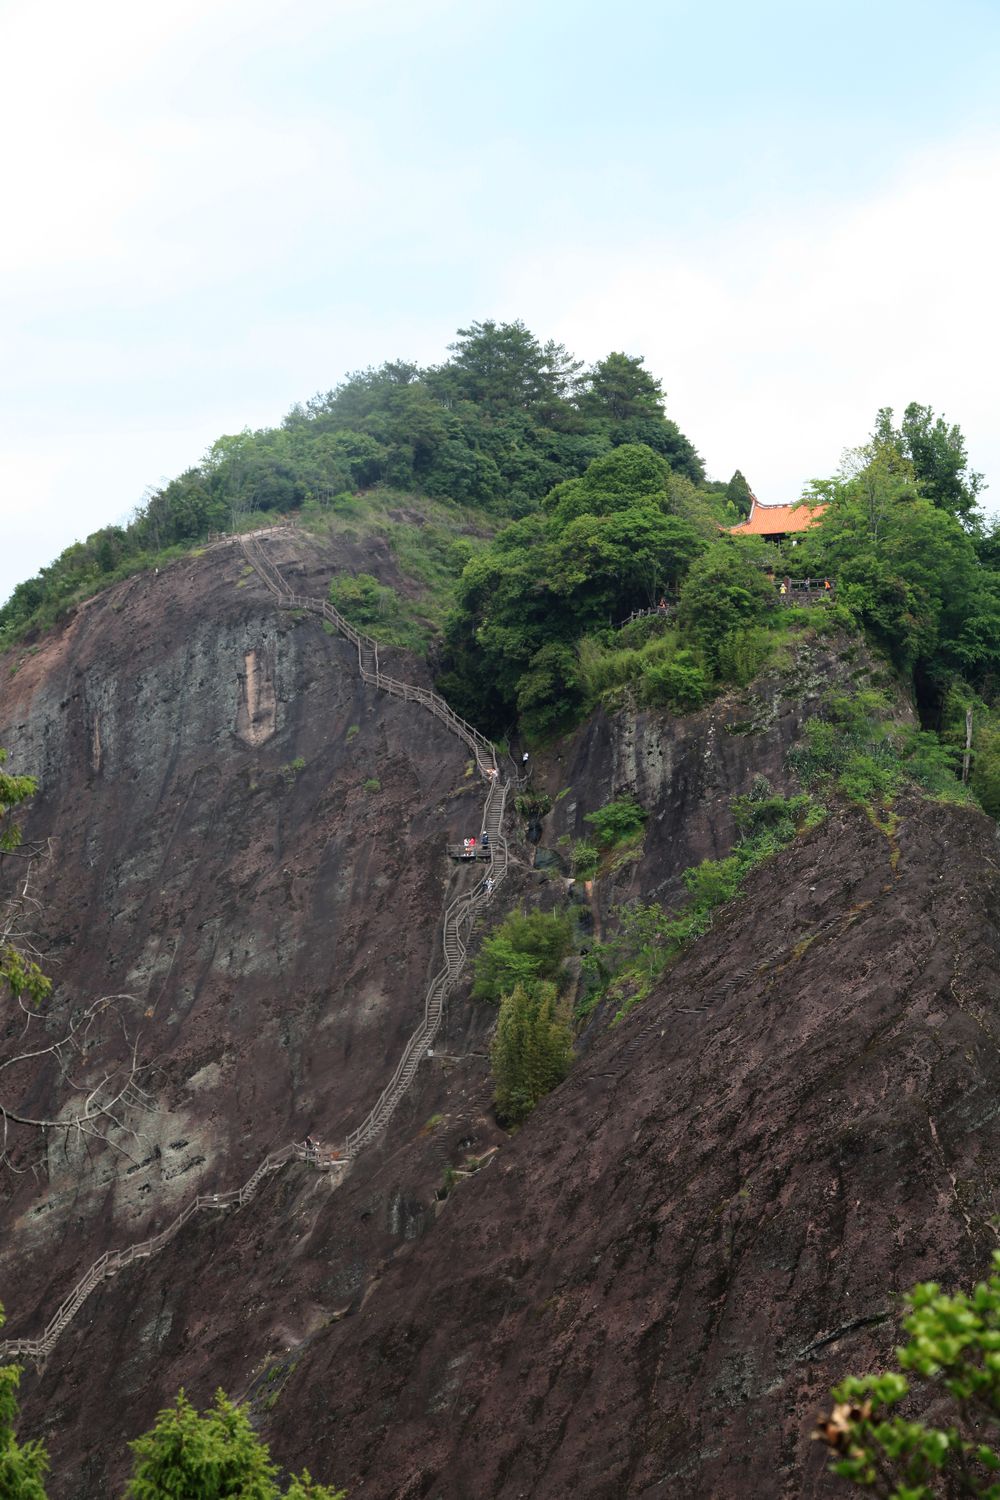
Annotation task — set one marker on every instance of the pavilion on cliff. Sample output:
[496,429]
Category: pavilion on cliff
[775,522]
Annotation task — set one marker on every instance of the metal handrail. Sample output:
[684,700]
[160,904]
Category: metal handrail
[804,587]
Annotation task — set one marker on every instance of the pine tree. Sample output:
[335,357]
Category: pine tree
[739,494]
[211,1456]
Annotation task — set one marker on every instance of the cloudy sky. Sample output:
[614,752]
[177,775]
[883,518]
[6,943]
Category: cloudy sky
[214,208]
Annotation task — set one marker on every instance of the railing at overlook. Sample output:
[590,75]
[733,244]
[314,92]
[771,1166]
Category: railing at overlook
[796,591]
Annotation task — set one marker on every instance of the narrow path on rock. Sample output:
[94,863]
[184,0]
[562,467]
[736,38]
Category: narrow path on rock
[456,924]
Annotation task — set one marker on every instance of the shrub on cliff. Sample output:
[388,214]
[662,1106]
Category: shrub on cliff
[616,822]
[953,1352]
[531,1049]
[626,965]
[857,750]
[361,599]
[681,684]
[19,974]
[527,946]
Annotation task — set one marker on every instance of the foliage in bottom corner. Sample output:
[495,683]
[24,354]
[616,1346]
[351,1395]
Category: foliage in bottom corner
[216,1454]
[954,1352]
[23,1466]
[531,1049]
[212,1455]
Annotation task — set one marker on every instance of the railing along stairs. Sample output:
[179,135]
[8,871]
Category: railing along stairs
[455,928]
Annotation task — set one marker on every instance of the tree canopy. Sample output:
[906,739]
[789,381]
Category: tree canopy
[604,544]
[937,453]
[901,540]
[496,426]
[212,1455]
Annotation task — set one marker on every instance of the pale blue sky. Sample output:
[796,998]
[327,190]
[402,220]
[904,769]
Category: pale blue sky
[215,208]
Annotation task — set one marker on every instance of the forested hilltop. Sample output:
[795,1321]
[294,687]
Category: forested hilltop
[557,501]
[495,427]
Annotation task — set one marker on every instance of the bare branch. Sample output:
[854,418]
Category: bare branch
[96,1105]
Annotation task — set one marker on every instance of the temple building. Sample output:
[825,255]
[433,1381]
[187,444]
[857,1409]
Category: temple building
[775,522]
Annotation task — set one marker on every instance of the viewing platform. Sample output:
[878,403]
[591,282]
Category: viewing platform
[805,591]
[460,851]
[801,591]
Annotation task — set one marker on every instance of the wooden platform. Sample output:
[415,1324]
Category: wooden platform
[458,851]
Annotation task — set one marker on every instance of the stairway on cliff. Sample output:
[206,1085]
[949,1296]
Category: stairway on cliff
[456,924]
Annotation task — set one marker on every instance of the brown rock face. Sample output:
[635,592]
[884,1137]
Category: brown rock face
[705,1226]
[651,1287]
[246,844]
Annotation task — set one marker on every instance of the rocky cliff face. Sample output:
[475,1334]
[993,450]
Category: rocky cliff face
[249,847]
[650,1286]
[654,1288]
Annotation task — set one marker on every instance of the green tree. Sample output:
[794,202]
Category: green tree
[562,375]
[905,567]
[951,1352]
[620,387]
[666,439]
[549,691]
[503,367]
[531,1049]
[19,973]
[722,592]
[526,946]
[877,477]
[617,481]
[739,494]
[23,1466]
[937,453]
[212,1456]
[606,545]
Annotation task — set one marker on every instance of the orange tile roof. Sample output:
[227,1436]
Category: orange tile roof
[769,520]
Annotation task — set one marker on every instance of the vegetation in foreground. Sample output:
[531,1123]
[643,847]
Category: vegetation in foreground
[953,1355]
[214,1455]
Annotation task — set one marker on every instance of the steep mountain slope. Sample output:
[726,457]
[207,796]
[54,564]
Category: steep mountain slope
[219,844]
[633,1297]
[705,1225]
